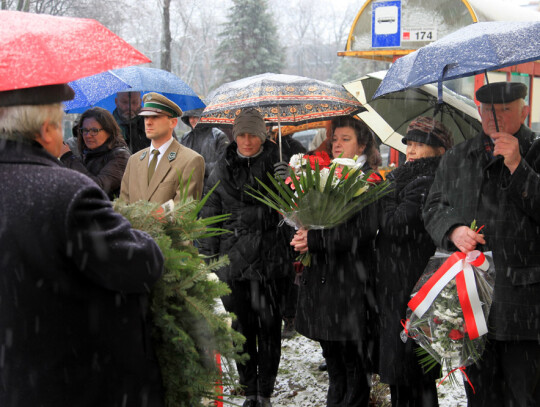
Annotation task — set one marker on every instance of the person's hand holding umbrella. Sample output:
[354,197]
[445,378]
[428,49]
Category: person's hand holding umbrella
[501,122]
[507,145]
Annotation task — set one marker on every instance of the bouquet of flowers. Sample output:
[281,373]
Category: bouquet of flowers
[320,193]
[448,311]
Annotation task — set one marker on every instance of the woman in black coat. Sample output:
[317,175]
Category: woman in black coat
[335,290]
[403,250]
[103,152]
[260,266]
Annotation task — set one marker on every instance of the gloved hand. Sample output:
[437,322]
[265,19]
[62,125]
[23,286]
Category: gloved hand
[281,169]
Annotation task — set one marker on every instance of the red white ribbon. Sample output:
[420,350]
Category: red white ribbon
[457,266]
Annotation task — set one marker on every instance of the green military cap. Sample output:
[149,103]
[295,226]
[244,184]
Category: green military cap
[156,104]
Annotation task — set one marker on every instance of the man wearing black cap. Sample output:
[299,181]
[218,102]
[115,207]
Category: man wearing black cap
[154,174]
[74,274]
[494,179]
[209,142]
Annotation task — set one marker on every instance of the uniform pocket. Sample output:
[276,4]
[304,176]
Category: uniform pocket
[525,275]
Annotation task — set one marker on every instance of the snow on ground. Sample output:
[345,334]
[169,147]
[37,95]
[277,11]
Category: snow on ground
[300,383]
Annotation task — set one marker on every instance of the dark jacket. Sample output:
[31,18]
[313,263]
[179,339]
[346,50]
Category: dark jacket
[471,185]
[403,250]
[257,248]
[104,165]
[290,146]
[208,142]
[75,277]
[336,289]
[133,132]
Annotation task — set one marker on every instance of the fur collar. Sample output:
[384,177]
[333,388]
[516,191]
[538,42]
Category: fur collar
[408,172]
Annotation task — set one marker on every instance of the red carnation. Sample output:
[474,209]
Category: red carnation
[321,157]
[374,178]
[455,334]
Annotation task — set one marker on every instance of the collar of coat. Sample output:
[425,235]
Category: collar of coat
[410,171]
[16,152]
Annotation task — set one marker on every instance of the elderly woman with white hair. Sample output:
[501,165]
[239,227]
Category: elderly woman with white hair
[260,266]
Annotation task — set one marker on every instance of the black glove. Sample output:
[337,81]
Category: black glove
[281,169]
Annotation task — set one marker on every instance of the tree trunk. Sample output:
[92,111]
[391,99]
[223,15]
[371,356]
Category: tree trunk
[166,38]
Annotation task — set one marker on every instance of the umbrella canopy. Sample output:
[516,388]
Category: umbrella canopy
[477,48]
[284,99]
[39,49]
[388,116]
[100,90]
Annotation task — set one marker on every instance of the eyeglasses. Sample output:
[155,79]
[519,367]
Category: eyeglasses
[93,131]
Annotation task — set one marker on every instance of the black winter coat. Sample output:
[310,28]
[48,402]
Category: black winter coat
[471,185]
[133,132]
[335,291]
[257,247]
[73,287]
[104,165]
[208,142]
[403,250]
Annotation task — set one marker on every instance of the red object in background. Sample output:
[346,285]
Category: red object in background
[39,49]
[394,157]
[219,385]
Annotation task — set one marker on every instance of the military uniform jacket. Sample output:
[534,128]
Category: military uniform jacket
[177,163]
[471,185]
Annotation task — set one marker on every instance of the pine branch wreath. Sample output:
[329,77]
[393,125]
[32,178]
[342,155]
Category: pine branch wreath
[187,330]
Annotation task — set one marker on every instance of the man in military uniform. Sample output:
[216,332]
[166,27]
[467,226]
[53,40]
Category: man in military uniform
[156,173]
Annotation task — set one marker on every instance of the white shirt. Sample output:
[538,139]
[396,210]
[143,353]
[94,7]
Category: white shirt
[162,151]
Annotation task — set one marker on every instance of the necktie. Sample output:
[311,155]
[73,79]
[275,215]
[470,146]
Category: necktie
[152,166]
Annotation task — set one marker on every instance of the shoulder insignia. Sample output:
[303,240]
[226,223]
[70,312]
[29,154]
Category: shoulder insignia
[171,156]
[143,155]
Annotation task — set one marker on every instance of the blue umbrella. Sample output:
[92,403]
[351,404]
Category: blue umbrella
[477,48]
[100,90]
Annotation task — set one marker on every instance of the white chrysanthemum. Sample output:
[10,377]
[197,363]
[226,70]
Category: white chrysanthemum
[296,161]
[447,294]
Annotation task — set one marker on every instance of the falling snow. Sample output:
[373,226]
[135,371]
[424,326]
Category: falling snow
[300,383]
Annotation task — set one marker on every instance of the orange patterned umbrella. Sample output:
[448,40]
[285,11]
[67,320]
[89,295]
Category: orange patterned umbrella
[282,99]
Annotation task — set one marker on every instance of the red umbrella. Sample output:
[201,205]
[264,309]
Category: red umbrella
[39,49]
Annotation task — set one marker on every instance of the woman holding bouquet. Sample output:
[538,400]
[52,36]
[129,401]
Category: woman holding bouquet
[403,250]
[260,266]
[335,289]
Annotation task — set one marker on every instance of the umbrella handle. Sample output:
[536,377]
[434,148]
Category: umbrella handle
[492,107]
[279,134]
